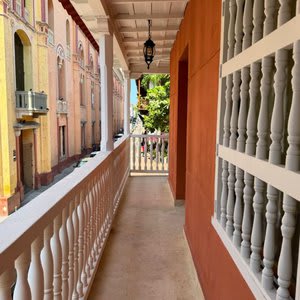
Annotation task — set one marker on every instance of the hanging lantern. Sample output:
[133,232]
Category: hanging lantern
[149,48]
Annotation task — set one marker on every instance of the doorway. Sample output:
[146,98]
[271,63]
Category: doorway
[182,125]
[26,160]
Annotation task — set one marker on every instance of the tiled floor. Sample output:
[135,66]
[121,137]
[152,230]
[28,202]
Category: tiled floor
[146,256]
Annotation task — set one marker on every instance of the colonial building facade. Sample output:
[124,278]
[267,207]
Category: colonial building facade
[50,96]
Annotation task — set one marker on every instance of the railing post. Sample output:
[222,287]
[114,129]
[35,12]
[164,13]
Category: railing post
[36,276]
[57,259]
[70,231]
[22,289]
[65,252]
[47,263]
[6,281]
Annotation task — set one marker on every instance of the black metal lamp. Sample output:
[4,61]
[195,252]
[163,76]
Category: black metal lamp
[149,48]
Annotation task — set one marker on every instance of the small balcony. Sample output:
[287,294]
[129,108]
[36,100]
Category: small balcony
[61,106]
[30,103]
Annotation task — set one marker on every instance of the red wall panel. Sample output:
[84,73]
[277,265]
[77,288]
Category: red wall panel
[200,32]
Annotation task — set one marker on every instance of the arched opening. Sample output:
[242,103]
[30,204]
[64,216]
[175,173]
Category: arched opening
[91,64]
[23,66]
[81,55]
[68,33]
[50,15]
[82,91]
[61,79]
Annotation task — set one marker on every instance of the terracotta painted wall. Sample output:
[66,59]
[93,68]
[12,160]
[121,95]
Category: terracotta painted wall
[200,34]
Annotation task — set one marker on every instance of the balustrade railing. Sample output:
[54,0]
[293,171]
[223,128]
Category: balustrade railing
[149,153]
[29,103]
[62,106]
[257,210]
[52,246]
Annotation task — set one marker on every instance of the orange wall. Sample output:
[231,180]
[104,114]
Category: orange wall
[200,32]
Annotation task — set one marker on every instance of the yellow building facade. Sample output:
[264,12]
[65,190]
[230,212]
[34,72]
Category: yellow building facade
[49,90]
[24,117]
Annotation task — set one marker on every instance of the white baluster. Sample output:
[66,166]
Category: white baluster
[139,153]
[238,173]
[133,153]
[258,20]
[7,279]
[145,153]
[151,154]
[226,134]
[275,155]
[86,237]
[35,274]
[242,121]
[257,230]
[227,114]
[285,12]
[157,154]
[65,252]
[70,230]
[90,226]
[232,19]
[80,244]
[250,150]
[162,154]
[270,13]
[98,217]
[76,231]
[22,289]
[238,30]
[93,205]
[285,264]
[57,259]
[47,263]
[262,146]
[247,24]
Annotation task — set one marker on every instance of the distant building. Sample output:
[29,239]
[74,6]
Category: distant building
[50,96]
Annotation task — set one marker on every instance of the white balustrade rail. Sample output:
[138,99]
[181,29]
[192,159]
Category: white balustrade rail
[149,153]
[61,106]
[29,103]
[257,209]
[50,249]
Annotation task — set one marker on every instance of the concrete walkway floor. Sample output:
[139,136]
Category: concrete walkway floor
[146,256]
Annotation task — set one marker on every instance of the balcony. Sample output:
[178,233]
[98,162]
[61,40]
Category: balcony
[30,104]
[61,106]
[58,239]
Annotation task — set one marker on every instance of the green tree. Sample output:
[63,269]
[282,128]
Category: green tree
[156,79]
[158,109]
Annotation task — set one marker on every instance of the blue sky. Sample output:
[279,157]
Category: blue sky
[133,92]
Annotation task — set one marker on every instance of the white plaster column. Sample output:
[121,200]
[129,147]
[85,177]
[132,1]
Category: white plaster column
[127,103]
[106,70]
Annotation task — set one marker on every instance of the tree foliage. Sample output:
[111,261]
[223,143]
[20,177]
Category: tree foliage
[159,103]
